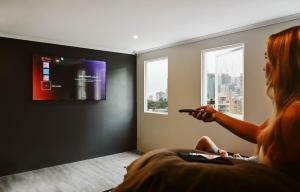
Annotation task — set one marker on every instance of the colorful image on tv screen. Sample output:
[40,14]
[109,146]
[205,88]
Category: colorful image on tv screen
[62,78]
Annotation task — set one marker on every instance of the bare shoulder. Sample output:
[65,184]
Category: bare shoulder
[291,117]
[292,112]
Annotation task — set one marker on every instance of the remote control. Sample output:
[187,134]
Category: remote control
[188,110]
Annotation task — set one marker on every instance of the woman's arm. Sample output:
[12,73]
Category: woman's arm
[243,129]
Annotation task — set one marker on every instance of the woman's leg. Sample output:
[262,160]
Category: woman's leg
[206,144]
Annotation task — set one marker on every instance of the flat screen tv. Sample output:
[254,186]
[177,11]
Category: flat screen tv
[62,78]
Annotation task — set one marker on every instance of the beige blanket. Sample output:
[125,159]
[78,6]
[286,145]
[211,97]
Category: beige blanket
[164,171]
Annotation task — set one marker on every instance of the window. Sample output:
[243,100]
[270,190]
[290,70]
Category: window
[223,79]
[156,86]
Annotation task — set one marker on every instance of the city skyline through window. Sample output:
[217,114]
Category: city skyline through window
[223,79]
[156,86]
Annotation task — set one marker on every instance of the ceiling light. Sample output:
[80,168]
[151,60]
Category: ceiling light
[135,36]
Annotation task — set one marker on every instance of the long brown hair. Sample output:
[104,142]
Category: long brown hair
[283,86]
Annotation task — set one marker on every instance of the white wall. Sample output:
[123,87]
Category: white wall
[181,131]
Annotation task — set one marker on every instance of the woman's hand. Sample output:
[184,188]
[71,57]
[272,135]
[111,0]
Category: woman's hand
[206,114]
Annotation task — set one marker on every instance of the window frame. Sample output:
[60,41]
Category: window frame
[145,85]
[204,83]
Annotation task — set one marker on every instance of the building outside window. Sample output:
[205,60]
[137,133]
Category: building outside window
[223,79]
[156,86]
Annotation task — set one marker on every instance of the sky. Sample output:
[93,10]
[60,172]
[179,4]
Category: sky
[229,61]
[156,76]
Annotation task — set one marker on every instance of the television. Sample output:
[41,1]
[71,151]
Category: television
[63,78]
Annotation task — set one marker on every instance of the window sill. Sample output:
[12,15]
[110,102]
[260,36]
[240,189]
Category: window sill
[158,113]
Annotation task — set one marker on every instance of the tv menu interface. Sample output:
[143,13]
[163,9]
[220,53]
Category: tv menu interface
[61,78]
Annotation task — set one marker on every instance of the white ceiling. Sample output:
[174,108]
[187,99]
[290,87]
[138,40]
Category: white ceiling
[110,24]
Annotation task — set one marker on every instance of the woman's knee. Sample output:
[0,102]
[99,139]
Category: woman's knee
[204,140]
[203,143]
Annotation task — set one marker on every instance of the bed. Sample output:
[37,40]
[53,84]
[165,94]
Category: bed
[163,170]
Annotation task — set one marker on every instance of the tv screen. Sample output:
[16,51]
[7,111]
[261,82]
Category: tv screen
[62,78]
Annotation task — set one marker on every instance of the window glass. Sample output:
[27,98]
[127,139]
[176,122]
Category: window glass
[223,79]
[156,86]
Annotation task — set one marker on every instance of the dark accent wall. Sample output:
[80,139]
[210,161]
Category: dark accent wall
[37,134]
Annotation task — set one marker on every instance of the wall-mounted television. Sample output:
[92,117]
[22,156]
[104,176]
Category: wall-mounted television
[63,78]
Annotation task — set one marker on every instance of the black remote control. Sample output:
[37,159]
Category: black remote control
[188,110]
[209,115]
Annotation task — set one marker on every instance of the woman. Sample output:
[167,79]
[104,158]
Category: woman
[278,137]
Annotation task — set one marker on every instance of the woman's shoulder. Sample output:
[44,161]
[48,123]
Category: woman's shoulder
[292,111]
[291,117]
